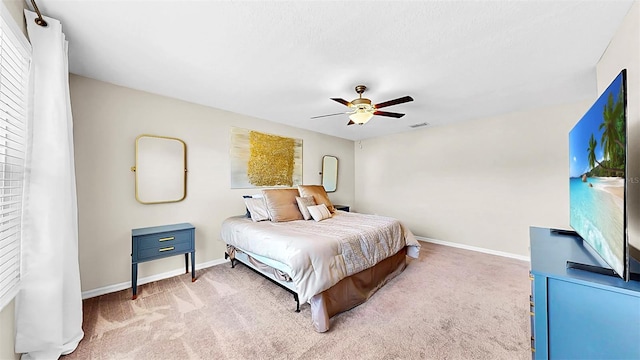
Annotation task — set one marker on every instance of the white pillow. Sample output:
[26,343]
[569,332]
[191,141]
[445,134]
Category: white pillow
[248,197]
[319,212]
[303,204]
[258,208]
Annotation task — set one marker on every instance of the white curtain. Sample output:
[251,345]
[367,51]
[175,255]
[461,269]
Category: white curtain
[49,304]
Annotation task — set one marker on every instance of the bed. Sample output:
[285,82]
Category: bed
[333,264]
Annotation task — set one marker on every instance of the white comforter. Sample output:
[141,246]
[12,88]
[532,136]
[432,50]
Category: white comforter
[320,254]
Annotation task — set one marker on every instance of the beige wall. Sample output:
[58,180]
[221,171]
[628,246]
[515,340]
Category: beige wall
[7,332]
[16,8]
[481,183]
[7,318]
[107,119]
[623,52]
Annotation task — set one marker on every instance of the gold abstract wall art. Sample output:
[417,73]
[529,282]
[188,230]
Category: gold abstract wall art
[264,160]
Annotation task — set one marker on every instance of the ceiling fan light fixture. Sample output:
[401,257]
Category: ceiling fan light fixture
[361,116]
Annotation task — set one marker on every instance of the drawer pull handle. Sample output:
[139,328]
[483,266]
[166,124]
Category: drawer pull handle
[167,249]
[167,238]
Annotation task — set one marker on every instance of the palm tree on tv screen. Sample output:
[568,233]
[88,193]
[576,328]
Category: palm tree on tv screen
[612,123]
[612,140]
[592,152]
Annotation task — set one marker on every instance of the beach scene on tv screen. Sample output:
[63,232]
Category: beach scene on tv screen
[597,176]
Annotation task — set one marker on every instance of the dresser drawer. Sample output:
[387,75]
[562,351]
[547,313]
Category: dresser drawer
[164,250]
[163,240]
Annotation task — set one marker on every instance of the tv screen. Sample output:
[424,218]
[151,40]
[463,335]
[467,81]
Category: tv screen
[597,154]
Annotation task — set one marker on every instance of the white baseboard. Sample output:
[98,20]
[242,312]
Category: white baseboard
[474,248]
[127,285]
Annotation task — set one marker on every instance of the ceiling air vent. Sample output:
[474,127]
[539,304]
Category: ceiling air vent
[418,125]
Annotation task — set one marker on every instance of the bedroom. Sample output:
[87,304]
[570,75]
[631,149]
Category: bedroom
[458,176]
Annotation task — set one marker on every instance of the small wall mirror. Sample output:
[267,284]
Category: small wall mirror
[330,173]
[160,169]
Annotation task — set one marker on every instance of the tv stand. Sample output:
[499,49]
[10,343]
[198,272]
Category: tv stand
[579,314]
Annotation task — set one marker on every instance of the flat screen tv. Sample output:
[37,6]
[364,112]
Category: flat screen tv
[597,179]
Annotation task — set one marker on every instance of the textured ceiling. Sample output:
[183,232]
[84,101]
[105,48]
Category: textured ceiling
[282,61]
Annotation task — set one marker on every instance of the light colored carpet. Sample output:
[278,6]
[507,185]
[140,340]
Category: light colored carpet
[448,304]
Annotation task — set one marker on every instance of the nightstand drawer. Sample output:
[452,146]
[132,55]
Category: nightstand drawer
[164,250]
[162,240]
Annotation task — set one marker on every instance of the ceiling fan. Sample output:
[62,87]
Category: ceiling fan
[362,110]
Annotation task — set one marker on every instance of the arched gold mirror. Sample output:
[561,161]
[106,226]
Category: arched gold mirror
[160,170]
[330,173]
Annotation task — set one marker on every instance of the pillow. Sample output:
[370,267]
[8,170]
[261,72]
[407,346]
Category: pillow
[246,207]
[257,208]
[282,204]
[303,203]
[249,197]
[318,193]
[319,212]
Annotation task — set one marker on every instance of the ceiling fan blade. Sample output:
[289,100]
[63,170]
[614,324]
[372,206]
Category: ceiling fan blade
[342,101]
[389,114]
[350,122]
[320,116]
[393,102]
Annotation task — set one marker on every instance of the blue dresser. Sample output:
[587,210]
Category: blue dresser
[576,314]
[158,242]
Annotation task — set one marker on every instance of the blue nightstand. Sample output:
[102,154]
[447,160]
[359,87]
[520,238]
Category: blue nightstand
[158,242]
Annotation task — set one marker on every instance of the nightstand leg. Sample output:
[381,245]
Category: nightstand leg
[186,263]
[193,266]
[134,281]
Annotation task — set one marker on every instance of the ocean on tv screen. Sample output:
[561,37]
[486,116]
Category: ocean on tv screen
[597,214]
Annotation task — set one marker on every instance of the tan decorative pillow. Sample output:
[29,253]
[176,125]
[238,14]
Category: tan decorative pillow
[318,193]
[303,203]
[319,212]
[282,204]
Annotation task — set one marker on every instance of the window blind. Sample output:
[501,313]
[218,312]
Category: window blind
[14,89]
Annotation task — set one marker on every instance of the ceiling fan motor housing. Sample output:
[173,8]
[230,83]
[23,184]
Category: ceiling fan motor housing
[361,103]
